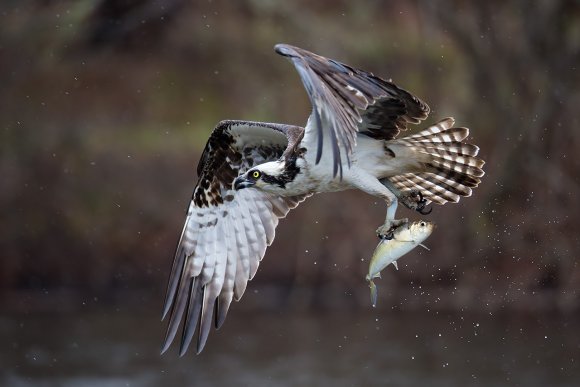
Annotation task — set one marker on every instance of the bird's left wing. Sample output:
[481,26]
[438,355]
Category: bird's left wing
[346,101]
[226,231]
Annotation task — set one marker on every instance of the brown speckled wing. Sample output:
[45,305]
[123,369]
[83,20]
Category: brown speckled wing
[226,232]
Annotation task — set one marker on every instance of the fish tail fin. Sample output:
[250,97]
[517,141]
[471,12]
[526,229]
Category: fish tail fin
[451,166]
[373,293]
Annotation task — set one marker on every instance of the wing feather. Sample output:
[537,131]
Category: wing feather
[178,309]
[268,221]
[243,266]
[251,235]
[212,290]
[205,319]
[197,258]
[227,293]
[347,101]
[176,270]
[226,232]
[192,316]
[208,254]
[221,261]
[261,247]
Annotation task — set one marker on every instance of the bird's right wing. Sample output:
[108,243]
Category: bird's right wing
[226,231]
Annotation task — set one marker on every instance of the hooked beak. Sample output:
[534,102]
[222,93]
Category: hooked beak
[241,182]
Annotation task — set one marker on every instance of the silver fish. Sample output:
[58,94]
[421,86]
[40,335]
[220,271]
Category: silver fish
[405,239]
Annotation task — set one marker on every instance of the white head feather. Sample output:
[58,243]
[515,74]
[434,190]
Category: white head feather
[271,168]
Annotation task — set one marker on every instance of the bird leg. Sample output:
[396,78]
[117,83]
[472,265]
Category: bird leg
[413,199]
[387,230]
[386,191]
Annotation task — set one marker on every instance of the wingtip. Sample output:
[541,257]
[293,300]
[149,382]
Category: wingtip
[284,49]
[169,336]
[192,316]
[202,339]
[183,350]
[185,341]
[239,289]
[221,312]
[219,322]
[166,310]
[166,346]
[205,321]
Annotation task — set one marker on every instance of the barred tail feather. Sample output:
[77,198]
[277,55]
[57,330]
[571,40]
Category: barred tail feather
[432,192]
[451,168]
[451,148]
[459,157]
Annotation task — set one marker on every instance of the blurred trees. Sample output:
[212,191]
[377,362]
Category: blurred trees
[106,105]
[523,59]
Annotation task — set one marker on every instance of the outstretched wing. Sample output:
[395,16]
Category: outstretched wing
[346,101]
[226,231]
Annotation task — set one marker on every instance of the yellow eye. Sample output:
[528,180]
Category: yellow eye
[255,174]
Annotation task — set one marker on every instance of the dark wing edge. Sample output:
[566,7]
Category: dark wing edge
[350,100]
[226,232]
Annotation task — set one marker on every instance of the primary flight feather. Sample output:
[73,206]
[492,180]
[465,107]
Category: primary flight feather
[252,173]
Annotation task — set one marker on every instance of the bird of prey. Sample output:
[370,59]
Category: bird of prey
[252,173]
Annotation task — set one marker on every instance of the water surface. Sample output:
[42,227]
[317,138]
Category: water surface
[120,348]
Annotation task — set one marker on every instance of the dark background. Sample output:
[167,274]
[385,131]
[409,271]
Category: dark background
[106,105]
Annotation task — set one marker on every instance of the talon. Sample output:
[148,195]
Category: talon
[421,204]
[387,230]
[385,234]
[421,198]
[414,200]
[389,235]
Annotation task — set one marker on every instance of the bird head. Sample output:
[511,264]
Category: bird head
[270,177]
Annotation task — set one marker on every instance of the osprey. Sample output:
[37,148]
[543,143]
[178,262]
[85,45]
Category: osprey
[252,173]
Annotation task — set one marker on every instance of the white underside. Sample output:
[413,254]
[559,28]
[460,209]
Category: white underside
[369,163]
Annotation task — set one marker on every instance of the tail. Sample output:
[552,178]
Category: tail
[451,169]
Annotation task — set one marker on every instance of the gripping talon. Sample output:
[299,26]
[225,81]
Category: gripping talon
[414,200]
[387,230]
[421,204]
[388,235]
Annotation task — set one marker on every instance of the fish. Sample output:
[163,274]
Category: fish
[405,238]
